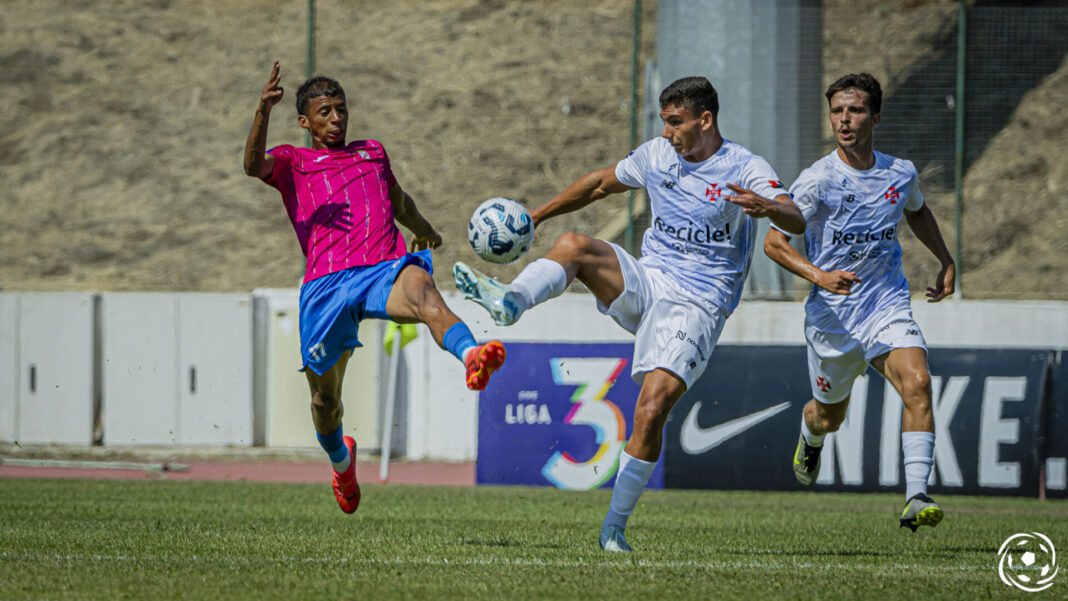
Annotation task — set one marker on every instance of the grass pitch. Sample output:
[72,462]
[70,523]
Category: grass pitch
[73,539]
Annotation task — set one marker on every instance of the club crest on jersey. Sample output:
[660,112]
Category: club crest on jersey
[713,192]
[823,384]
[893,195]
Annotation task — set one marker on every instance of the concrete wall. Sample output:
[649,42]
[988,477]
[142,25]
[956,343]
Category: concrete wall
[266,400]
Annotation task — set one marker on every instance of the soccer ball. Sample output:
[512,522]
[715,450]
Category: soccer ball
[500,230]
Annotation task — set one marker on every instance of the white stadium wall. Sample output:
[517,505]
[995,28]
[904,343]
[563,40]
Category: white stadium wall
[222,369]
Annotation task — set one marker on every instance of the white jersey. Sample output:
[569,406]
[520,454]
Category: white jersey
[852,219]
[703,241]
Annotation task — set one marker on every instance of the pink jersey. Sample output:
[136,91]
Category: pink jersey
[338,202]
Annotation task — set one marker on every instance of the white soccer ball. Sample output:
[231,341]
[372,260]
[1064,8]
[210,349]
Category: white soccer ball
[500,230]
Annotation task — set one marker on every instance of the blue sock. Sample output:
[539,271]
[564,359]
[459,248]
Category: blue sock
[334,446]
[458,339]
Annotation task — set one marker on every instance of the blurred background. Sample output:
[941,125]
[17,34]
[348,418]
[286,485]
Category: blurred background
[121,151]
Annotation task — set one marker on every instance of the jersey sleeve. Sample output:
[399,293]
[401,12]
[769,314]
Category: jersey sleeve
[758,176]
[632,169]
[805,194]
[283,165]
[387,168]
[915,201]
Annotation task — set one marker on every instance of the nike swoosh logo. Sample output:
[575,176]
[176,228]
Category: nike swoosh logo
[696,440]
[317,159]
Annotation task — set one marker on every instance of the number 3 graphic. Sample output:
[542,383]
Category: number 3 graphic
[594,378]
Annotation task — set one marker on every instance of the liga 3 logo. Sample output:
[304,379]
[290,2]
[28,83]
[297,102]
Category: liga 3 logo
[1028,561]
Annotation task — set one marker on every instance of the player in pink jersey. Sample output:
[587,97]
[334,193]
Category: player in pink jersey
[344,203]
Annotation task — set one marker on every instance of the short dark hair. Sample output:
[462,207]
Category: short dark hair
[315,87]
[694,93]
[863,82]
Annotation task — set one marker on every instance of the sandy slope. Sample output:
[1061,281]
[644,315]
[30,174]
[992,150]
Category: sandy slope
[125,120]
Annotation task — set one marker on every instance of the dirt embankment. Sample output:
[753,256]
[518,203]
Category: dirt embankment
[121,156]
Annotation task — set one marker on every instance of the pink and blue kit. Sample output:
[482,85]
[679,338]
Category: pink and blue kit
[338,202]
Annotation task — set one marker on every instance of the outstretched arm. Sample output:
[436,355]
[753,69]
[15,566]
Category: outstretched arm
[407,214]
[923,224]
[586,189]
[257,162]
[777,246]
[781,210]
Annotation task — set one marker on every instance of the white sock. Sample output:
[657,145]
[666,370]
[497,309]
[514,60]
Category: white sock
[538,282]
[341,466]
[918,448]
[631,479]
[813,440]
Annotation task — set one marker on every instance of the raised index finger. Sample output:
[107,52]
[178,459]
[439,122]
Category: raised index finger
[737,188]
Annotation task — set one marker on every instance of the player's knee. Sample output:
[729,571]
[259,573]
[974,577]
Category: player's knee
[326,404]
[572,245]
[827,417]
[916,386]
[432,306]
[830,423]
[651,413]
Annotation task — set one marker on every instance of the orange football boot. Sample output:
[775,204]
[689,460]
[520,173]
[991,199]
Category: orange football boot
[346,488]
[482,362]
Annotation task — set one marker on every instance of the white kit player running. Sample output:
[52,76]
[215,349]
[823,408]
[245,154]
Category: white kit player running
[676,298]
[859,311]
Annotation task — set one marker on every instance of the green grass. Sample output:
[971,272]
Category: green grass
[70,539]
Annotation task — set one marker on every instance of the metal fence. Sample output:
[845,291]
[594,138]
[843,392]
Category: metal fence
[972,95]
[972,113]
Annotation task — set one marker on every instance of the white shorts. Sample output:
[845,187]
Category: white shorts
[673,329]
[835,359]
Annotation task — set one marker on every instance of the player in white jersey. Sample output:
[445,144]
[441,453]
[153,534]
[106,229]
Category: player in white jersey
[859,312]
[704,193]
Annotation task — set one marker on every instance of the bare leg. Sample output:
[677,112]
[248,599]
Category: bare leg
[824,418]
[592,261]
[660,391]
[327,410]
[906,369]
[326,406]
[415,299]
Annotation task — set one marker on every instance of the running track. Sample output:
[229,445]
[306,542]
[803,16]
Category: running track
[456,474]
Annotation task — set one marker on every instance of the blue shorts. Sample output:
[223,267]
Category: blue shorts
[332,307]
